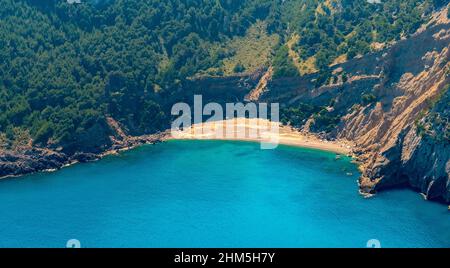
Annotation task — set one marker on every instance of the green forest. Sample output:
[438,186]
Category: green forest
[66,67]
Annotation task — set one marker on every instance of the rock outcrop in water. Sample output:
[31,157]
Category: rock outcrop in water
[415,74]
[406,80]
[29,159]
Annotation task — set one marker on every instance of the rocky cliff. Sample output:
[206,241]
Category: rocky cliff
[415,73]
[404,81]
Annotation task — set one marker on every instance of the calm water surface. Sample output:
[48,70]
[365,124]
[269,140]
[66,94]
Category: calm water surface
[213,194]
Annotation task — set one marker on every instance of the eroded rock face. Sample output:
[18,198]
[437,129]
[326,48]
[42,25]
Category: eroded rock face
[406,80]
[421,155]
[393,152]
[417,161]
[428,166]
[221,89]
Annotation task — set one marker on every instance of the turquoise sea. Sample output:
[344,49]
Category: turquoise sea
[213,194]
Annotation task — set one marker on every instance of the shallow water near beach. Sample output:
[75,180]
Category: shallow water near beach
[213,194]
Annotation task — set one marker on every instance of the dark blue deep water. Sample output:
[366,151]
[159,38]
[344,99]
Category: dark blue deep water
[213,194]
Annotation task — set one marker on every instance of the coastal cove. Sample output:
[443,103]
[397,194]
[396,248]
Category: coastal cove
[225,124]
[47,160]
[189,193]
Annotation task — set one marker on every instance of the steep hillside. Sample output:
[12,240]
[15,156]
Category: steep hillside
[67,67]
[416,74]
[393,104]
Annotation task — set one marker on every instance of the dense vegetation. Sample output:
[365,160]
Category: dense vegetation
[66,67]
[330,32]
[336,30]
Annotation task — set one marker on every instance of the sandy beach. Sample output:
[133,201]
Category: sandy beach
[259,130]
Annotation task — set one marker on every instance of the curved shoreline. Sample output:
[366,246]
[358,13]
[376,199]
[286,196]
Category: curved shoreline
[243,126]
[285,136]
